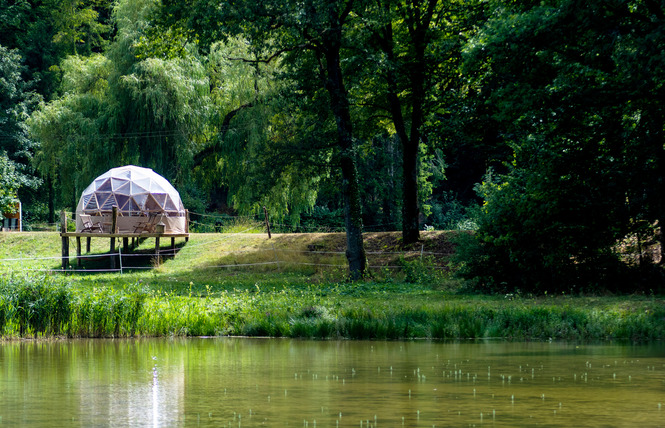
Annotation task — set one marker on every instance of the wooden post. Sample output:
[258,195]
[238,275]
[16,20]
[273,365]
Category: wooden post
[187,225]
[87,244]
[173,246]
[65,239]
[114,230]
[159,262]
[111,254]
[78,251]
[125,244]
[114,220]
[265,210]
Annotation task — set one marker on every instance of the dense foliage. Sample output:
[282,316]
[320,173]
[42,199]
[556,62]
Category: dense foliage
[538,123]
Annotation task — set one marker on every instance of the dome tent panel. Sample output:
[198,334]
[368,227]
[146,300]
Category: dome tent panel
[169,205]
[144,183]
[123,189]
[160,198]
[132,206]
[121,173]
[92,205]
[102,198]
[152,205]
[117,183]
[109,203]
[105,186]
[86,198]
[138,189]
[140,199]
[123,200]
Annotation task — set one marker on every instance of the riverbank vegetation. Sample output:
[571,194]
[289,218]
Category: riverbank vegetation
[43,306]
[220,284]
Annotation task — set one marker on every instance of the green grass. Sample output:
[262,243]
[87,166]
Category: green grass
[305,295]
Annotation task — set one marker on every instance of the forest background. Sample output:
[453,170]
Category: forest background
[537,124]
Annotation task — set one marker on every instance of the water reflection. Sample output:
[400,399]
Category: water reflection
[263,382]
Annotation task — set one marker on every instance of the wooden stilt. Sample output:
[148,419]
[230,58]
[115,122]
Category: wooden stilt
[78,251]
[125,244]
[173,246]
[112,253]
[265,211]
[114,229]
[159,261]
[87,244]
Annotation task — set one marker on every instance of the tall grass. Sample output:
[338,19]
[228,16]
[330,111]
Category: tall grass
[45,306]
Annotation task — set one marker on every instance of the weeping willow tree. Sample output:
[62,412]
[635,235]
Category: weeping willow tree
[204,121]
[251,149]
[121,107]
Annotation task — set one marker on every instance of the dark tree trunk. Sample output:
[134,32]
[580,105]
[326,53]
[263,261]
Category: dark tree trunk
[418,22]
[355,250]
[411,212]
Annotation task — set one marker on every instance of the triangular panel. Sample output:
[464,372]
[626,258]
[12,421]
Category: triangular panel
[105,186]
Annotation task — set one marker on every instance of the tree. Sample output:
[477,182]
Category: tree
[254,135]
[16,148]
[120,108]
[572,99]
[311,36]
[410,60]
[408,70]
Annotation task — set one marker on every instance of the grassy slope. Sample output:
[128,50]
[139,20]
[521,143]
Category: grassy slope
[304,295]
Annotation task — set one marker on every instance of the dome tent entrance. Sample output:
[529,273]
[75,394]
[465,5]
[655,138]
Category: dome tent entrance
[138,193]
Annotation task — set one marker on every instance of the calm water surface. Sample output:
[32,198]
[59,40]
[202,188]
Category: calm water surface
[226,382]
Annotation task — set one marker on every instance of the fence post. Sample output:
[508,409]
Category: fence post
[187,225]
[265,211]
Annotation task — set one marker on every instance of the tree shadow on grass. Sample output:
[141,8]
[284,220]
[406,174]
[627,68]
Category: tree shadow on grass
[132,258]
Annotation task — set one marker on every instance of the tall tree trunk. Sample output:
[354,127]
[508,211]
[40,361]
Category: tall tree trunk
[417,17]
[355,249]
[410,149]
[410,211]
[418,22]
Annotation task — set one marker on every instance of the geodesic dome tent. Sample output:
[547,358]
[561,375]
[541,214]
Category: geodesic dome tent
[138,193]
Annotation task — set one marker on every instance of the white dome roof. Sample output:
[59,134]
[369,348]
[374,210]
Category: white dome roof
[133,190]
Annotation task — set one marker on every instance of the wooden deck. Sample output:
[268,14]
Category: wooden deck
[112,238]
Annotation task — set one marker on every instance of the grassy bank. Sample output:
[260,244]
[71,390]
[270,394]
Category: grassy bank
[234,286]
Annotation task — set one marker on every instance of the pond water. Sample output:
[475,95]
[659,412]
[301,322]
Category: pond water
[229,382]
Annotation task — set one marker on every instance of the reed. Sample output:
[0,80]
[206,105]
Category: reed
[46,306]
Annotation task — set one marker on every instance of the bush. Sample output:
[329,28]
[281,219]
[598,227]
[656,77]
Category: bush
[538,234]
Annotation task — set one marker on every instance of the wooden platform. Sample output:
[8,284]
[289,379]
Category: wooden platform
[112,249]
[64,236]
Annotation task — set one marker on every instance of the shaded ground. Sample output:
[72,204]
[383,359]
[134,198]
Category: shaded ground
[382,248]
